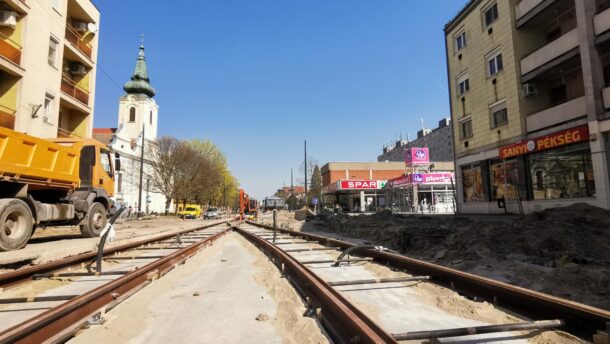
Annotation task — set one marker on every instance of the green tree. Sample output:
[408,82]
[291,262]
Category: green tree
[316,184]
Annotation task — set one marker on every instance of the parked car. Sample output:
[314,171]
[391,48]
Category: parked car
[190,212]
[211,213]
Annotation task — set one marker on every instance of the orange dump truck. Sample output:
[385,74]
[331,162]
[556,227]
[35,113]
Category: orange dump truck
[52,182]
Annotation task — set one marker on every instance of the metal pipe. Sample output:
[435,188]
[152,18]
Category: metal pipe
[380,280]
[467,331]
[36,299]
[100,247]
[79,274]
[312,249]
[332,261]
[358,248]
[274,225]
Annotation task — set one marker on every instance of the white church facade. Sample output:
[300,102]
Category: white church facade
[137,120]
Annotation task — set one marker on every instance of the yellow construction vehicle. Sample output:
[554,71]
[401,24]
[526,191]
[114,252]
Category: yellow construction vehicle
[64,181]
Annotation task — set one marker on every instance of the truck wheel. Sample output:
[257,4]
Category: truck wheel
[95,221]
[15,224]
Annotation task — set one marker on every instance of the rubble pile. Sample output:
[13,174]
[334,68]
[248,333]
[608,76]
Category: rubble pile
[561,251]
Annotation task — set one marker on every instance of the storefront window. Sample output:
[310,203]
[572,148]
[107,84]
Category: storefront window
[504,178]
[472,182]
[562,173]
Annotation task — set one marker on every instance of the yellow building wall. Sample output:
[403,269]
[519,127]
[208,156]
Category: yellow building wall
[482,91]
[8,93]
[14,35]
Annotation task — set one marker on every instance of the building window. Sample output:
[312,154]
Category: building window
[150,116]
[491,15]
[52,58]
[460,41]
[466,129]
[132,114]
[499,114]
[494,64]
[49,101]
[565,172]
[505,179]
[463,84]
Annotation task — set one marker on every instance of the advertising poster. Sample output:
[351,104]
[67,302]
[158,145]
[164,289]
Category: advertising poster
[416,156]
[504,180]
[473,185]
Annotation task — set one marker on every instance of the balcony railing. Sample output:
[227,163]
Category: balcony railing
[70,88]
[64,133]
[7,117]
[77,41]
[10,50]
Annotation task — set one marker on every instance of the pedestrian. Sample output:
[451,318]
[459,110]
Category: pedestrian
[129,211]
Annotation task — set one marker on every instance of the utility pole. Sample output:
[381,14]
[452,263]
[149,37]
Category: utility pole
[292,197]
[141,173]
[224,194]
[306,204]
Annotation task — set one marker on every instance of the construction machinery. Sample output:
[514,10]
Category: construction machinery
[43,182]
[248,207]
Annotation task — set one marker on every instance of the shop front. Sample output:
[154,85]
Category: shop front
[533,172]
[364,195]
[422,192]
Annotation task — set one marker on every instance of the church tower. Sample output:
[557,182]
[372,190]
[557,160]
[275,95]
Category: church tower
[137,108]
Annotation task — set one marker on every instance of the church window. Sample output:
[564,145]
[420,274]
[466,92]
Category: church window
[132,114]
[150,116]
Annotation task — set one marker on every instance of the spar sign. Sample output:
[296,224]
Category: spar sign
[362,184]
[415,156]
[554,140]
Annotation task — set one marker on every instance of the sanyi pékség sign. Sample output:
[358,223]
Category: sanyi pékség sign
[550,141]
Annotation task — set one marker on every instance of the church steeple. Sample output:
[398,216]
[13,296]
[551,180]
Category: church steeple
[140,83]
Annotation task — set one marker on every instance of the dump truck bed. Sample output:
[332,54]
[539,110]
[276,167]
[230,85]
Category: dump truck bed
[37,161]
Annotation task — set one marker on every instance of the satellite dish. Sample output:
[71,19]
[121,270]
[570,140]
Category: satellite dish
[92,27]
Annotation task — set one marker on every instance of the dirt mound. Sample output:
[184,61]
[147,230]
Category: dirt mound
[563,251]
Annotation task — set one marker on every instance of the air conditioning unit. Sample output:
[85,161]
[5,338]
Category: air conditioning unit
[8,19]
[80,26]
[529,90]
[77,69]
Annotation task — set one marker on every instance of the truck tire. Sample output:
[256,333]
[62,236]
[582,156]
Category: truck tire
[95,221]
[15,224]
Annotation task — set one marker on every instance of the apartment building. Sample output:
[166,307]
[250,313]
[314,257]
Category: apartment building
[439,141]
[529,99]
[48,53]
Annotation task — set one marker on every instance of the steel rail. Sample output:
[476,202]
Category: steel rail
[23,275]
[60,322]
[580,320]
[344,322]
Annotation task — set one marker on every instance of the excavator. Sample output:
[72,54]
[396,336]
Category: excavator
[248,207]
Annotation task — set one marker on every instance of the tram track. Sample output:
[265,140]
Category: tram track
[127,269]
[545,311]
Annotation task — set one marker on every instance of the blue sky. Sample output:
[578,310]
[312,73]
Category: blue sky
[259,77]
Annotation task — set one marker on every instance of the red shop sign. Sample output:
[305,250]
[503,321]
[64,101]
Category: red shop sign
[361,184]
[554,140]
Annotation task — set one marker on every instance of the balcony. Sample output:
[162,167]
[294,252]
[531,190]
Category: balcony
[72,122]
[564,112]
[552,51]
[76,40]
[601,21]
[19,6]
[10,50]
[70,88]
[7,117]
[525,10]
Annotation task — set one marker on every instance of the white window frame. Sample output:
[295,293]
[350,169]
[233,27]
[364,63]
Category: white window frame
[462,121]
[56,4]
[53,47]
[495,108]
[48,107]
[495,57]
[460,37]
[486,10]
[463,78]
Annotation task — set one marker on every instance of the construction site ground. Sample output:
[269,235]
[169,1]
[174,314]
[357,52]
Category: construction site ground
[53,243]
[562,251]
